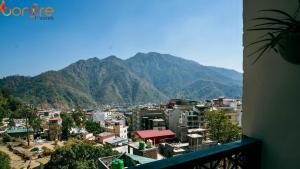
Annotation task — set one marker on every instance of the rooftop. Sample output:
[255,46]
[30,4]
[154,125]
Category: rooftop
[18,130]
[154,133]
[195,135]
[158,119]
[196,130]
[55,119]
[116,140]
[140,159]
[105,134]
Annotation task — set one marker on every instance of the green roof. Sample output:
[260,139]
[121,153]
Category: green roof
[18,130]
[140,159]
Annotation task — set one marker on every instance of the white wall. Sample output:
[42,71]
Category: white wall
[271,96]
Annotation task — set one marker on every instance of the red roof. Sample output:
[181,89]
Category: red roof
[55,119]
[154,133]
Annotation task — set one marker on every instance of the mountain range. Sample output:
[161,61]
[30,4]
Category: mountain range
[143,78]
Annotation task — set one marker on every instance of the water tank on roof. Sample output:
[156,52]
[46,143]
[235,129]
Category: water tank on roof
[117,164]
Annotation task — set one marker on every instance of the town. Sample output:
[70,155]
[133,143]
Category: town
[124,136]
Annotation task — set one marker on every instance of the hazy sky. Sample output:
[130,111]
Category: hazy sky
[209,32]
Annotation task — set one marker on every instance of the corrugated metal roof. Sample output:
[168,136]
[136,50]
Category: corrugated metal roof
[116,140]
[18,130]
[140,159]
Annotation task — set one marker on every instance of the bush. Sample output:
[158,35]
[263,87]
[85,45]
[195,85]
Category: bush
[46,151]
[79,156]
[4,160]
[34,149]
[7,138]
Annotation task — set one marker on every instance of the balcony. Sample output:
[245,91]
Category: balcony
[242,154]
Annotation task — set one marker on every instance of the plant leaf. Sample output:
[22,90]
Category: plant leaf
[261,53]
[269,23]
[259,29]
[275,20]
[259,41]
[259,49]
[278,11]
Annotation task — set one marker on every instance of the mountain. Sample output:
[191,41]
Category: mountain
[177,77]
[143,78]
[85,83]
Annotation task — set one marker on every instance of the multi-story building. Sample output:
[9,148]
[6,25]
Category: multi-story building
[175,116]
[189,115]
[118,129]
[54,131]
[148,118]
[232,107]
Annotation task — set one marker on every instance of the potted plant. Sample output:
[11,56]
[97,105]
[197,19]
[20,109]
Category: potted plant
[282,35]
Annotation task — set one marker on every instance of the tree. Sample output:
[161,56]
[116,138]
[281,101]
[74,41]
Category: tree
[9,105]
[36,124]
[6,138]
[93,127]
[79,117]
[4,161]
[221,129]
[67,124]
[79,155]
[30,114]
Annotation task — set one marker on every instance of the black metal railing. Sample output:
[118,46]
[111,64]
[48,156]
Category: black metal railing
[242,154]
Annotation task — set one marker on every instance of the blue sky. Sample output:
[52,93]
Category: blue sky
[209,32]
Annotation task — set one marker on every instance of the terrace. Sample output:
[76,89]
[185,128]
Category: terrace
[270,95]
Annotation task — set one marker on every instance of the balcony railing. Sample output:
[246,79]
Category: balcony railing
[242,154]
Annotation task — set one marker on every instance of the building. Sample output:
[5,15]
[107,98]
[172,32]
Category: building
[103,137]
[173,149]
[232,108]
[129,160]
[54,131]
[145,151]
[20,132]
[88,136]
[148,118]
[188,115]
[155,135]
[118,129]
[182,132]
[157,124]
[47,114]
[117,141]
[195,141]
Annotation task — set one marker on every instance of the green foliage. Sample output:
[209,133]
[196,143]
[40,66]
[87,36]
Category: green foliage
[34,149]
[46,151]
[9,105]
[221,129]
[78,156]
[129,123]
[279,30]
[67,124]
[79,117]
[4,161]
[36,123]
[29,112]
[93,127]
[6,138]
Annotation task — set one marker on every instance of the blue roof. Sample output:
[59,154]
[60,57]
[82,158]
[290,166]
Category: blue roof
[140,159]
[18,130]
